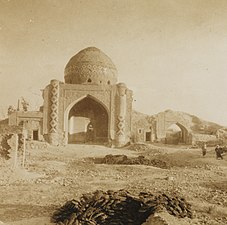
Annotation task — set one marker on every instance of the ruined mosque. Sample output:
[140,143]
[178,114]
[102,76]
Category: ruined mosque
[90,99]
[91,106]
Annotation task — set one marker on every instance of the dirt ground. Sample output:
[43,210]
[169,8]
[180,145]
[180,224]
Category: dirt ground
[57,174]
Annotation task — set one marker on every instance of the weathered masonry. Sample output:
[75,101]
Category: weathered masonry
[89,106]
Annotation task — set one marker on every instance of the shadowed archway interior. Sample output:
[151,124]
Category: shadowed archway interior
[176,133]
[87,122]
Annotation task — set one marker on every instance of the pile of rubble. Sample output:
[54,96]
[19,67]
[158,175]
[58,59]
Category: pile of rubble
[119,207]
[138,147]
[125,160]
[36,144]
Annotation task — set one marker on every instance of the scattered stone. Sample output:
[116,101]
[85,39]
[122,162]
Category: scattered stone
[138,147]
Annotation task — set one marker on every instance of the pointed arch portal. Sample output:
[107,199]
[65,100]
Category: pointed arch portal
[176,133]
[87,122]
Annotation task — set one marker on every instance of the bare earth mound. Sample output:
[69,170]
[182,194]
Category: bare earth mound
[119,207]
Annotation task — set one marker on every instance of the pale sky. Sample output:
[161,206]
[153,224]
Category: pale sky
[171,53]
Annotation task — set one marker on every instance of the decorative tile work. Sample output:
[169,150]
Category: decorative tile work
[54,106]
[91,66]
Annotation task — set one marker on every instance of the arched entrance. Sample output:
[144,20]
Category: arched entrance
[87,122]
[175,134]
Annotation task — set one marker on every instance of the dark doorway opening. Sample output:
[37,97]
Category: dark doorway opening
[88,122]
[35,135]
[148,136]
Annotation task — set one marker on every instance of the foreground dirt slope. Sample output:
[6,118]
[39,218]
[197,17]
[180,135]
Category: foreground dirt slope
[57,174]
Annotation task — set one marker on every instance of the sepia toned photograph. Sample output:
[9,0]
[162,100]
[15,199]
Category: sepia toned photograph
[113,112]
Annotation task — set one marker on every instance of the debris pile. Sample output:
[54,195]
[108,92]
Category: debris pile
[125,160]
[138,147]
[36,144]
[119,207]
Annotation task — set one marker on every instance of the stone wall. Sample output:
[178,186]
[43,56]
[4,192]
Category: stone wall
[211,140]
[168,118]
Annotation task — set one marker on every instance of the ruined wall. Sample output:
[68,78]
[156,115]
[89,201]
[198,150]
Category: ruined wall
[165,119]
[209,139]
[142,124]
[140,128]
[30,121]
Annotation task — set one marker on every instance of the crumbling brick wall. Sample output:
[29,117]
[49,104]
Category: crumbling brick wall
[5,146]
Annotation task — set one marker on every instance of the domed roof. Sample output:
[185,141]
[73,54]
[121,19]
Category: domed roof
[90,66]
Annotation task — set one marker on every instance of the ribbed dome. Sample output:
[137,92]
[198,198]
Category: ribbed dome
[90,66]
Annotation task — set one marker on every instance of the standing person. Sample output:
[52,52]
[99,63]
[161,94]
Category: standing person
[218,151]
[90,132]
[204,149]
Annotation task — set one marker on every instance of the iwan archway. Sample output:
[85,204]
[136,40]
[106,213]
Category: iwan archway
[167,119]
[87,122]
[176,134]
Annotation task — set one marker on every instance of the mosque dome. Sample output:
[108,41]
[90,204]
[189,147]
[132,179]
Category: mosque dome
[90,66]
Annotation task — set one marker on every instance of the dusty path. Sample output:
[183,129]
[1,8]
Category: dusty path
[58,174]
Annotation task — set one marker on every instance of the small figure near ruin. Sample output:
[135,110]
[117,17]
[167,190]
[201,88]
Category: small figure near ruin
[90,132]
[218,151]
[204,149]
